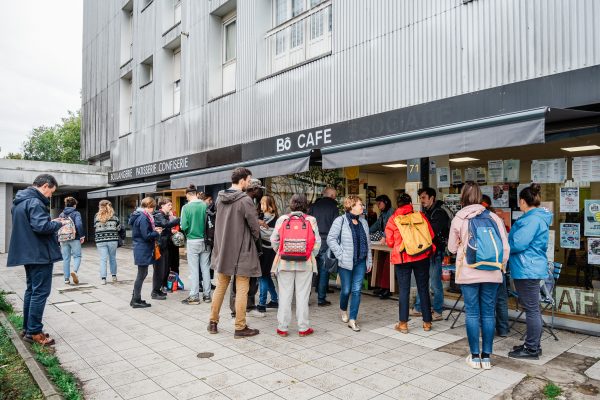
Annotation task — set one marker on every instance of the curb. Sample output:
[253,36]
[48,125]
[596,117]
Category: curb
[47,388]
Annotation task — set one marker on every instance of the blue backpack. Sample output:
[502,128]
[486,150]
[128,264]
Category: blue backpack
[484,249]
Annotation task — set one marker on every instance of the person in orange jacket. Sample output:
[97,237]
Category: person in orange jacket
[406,264]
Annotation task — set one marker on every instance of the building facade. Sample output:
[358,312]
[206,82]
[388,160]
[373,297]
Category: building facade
[504,92]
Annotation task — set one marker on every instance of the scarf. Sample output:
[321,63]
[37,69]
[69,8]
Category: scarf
[150,218]
[359,238]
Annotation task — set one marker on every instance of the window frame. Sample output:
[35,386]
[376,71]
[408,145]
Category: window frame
[227,21]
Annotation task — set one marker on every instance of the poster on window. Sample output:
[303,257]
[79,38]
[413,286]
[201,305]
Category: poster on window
[586,169]
[551,241]
[495,171]
[591,226]
[457,177]
[512,170]
[453,202]
[569,236]
[470,175]
[498,194]
[594,251]
[569,199]
[443,177]
[481,175]
[549,171]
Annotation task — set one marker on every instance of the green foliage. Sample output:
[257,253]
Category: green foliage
[59,143]
[14,156]
[16,320]
[552,391]
[64,380]
[5,304]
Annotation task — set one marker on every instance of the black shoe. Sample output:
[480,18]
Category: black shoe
[272,304]
[520,347]
[139,304]
[158,296]
[163,292]
[261,308]
[502,334]
[324,303]
[524,353]
[377,291]
[385,294]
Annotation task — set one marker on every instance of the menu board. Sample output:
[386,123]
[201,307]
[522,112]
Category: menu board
[495,171]
[586,169]
[569,236]
[569,199]
[591,226]
[443,177]
[457,177]
[512,170]
[549,171]
[498,194]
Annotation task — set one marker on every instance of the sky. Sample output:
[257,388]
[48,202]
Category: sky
[40,66]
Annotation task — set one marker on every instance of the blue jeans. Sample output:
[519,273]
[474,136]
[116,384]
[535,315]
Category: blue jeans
[39,284]
[68,249]
[502,309]
[198,257]
[266,286]
[480,305]
[435,282]
[323,278]
[108,252]
[352,283]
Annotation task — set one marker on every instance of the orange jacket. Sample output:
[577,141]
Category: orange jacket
[394,240]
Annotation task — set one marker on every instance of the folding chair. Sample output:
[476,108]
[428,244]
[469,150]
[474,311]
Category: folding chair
[547,298]
[454,307]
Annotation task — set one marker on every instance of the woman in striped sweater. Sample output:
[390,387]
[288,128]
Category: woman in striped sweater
[107,226]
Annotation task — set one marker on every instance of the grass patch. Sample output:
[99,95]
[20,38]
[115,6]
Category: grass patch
[64,380]
[4,304]
[552,391]
[15,381]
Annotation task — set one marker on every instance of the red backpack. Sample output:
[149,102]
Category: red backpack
[296,238]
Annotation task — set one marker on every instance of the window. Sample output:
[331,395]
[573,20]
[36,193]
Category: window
[125,105]
[230,40]
[146,71]
[176,80]
[177,11]
[127,33]
[301,31]
[170,80]
[229,52]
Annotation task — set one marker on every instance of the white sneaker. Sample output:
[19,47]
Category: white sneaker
[104,281]
[257,314]
[345,317]
[473,362]
[486,363]
[67,282]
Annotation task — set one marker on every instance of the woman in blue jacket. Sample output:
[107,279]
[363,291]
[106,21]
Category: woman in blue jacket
[528,263]
[144,235]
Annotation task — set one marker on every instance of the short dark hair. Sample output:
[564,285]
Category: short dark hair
[298,202]
[43,179]
[239,173]
[429,191]
[386,200]
[404,199]
[70,202]
[191,189]
[531,195]
[163,201]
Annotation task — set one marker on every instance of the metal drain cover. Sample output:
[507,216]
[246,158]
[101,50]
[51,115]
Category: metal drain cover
[205,355]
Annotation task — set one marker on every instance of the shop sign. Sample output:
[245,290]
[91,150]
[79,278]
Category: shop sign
[578,301]
[173,165]
[413,170]
[303,140]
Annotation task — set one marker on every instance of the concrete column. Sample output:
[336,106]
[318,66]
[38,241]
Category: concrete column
[6,197]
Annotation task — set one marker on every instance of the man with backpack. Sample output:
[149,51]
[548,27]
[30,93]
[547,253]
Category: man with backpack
[193,221]
[34,244]
[71,236]
[440,217]
[234,252]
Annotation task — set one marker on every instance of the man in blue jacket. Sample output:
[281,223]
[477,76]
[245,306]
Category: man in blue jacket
[34,244]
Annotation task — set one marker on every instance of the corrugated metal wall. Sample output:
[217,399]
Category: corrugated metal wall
[387,54]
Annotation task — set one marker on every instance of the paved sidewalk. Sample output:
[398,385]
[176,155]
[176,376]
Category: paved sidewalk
[122,353]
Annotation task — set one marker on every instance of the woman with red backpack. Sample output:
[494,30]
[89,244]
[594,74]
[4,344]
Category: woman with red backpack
[296,241]
[410,236]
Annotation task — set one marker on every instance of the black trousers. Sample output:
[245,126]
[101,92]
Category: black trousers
[421,270]
[142,273]
[252,290]
[161,270]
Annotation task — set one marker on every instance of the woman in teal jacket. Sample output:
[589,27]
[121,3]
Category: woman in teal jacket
[528,240]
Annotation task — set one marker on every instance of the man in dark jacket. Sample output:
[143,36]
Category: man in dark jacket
[72,247]
[34,244]
[234,252]
[325,210]
[440,223]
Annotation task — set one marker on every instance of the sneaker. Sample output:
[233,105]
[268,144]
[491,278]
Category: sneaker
[473,362]
[524,353]
[139,304]
[206,299]
[272,304]
[246,332]
[436,316]
[256,314]
[520,347]
[345,318]
[114,278]
[191,301]
[486,363]
[75,278]
[104,281]
[158,296]
[415,313]
[307,332]
[261,308]
[324,303]
[67,282]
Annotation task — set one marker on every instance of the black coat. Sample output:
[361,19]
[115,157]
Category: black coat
[325,210]
[162,220]
[34,239]
[143,238]
[440,223]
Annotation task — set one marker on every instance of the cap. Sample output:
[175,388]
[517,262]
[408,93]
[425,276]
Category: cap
[255,184]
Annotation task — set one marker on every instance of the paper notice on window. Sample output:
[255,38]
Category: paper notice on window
[569,236]
[591,226]
[569,200]
[586,169]
[443,177]
[481,175]
[457,177]
[551,241]
[495,171]
[594,251]
[498,194]
[512,170]
[549,171]
[470,175]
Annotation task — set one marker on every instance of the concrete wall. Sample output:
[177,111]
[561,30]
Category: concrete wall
[6,193]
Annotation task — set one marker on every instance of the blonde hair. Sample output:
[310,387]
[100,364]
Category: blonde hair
[148,202]
[350,202]
[105,212]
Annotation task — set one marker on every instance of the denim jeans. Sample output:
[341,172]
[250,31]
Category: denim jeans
[421,270]
[68,249]
[435,282]
[502,326]
[529,297]
[108,251]
[198,257]
[323,278]
[352,283]
[267,286]
[39,284]
[480,305]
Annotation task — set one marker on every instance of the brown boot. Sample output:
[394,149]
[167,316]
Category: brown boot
[246,332]
[212,327]
[42,339]
[402,327]
[426,326]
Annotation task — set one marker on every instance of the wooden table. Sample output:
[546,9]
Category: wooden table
[377,249]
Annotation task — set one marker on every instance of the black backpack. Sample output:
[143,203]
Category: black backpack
[209,226]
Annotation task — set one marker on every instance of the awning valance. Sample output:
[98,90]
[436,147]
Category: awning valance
[146,187]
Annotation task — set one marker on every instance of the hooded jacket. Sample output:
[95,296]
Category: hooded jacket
[528,245]
[143,238]
[394,240]
[33,239]
[71,212]
[162,221]
[440,223]
[458,240]
[236,232]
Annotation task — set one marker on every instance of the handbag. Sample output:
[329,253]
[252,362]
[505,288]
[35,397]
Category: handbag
[156,251]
